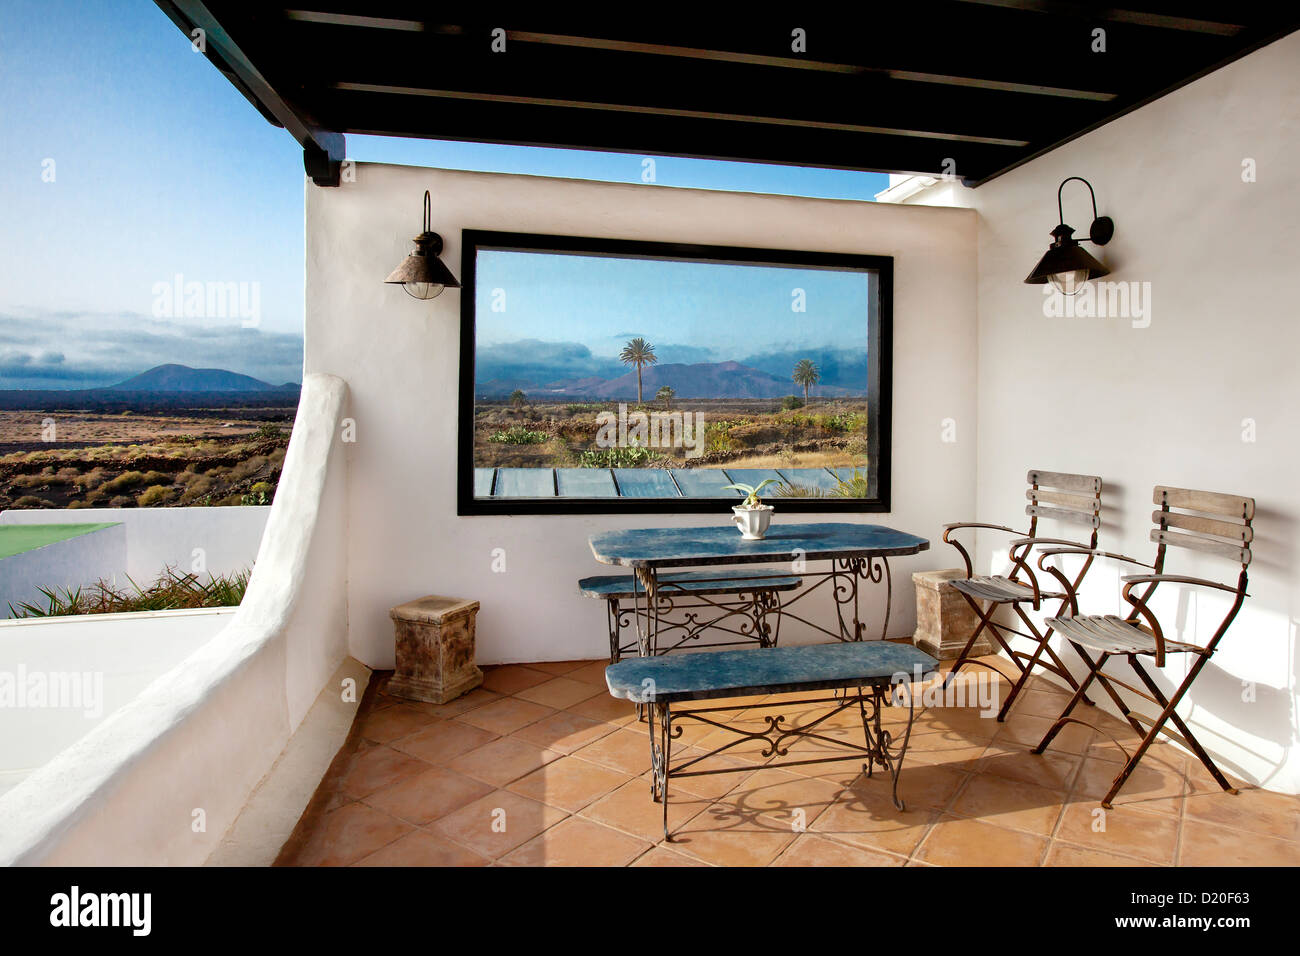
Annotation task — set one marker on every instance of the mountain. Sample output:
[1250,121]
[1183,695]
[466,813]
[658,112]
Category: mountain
[699,380]
[182,378]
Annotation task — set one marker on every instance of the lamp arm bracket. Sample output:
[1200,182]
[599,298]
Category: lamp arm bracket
[1060,212]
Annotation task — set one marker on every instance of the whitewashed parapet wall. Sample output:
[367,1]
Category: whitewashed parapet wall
[201,736]
[204,540]
[1199,392]
[400,358]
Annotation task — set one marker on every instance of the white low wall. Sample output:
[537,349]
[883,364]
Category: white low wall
[159,781]
[204,540]
[61,676]
[60,566]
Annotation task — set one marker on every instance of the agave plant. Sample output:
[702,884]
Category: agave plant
[751,491]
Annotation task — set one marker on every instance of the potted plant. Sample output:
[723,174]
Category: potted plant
[752,516]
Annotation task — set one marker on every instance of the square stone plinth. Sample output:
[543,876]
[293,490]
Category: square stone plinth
[944,620]
[435,649]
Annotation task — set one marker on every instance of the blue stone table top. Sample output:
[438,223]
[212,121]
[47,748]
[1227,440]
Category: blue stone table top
[675,547]
[717,581]
[770,670]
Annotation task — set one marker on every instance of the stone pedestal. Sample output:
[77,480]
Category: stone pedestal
[944,621]
[435,649]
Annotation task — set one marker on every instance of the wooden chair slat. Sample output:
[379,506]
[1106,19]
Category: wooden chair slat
[1206,502]
[1084,503]
[1196,543]
[1064,481]
[1223,529]
[1061,514]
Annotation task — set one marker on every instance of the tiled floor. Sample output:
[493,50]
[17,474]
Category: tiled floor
[541,766]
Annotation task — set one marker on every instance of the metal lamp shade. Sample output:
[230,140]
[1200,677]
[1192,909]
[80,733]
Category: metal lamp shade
[1065,256]
[422,274]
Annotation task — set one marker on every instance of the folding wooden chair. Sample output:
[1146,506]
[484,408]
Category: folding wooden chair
[1055,495]
[1204,521]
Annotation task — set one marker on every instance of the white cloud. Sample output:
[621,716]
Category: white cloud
[47,349]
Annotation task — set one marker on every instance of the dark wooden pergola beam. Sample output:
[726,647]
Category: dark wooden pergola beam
[322,150]
[972,88]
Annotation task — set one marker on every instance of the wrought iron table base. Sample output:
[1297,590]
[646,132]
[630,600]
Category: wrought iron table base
[880,749]
[845,577]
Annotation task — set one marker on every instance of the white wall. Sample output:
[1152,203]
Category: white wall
[400,358]
[203,735]
[226,539]
[1166,404]
[60,566]
[120,653]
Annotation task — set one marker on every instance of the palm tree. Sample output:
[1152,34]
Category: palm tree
[640,353]
[665,395]
[806,374]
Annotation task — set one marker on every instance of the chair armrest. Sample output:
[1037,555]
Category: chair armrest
[1092,551]
[1174,579]
[965,555]
[979,524]
[1028,543]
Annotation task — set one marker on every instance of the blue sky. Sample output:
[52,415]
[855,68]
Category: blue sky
[160,169]
[549,317]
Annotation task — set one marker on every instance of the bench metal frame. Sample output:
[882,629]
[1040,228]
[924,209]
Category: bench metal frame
[752,615]
[869,697]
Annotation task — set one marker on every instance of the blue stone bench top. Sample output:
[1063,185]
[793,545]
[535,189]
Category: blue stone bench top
[770,670]
[675,547]
[719,581]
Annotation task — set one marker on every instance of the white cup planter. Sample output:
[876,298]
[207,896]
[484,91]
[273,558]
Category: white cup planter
[752,522]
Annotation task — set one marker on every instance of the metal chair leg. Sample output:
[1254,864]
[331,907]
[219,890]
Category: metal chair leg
[1061,721]
[964,657]
[1188,738]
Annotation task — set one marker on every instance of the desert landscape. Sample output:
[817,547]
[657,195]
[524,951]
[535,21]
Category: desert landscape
[163,439]
[117,461]
[737,433]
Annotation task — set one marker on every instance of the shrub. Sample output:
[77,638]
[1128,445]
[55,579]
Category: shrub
[247,468]
[171,591]
[855,486]
[518,435]
[799,491]
[31,501]
[196,487]
[843,422]
[791,402]
[262,493]
[124,481]
[154,495]
[630,457]
[268,430]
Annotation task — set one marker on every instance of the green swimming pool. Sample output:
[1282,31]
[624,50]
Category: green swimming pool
[17,538]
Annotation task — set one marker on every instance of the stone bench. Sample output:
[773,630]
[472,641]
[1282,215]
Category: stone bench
[866,675]
[746,606]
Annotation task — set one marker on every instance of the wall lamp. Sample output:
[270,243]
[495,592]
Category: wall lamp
[1066,264]
[422,273]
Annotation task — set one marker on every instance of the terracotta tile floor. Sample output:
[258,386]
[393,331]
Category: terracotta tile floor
[541,766]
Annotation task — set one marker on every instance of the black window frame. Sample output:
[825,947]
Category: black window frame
[879,395]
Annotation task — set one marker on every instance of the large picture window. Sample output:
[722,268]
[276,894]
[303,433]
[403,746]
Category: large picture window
[607,376]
